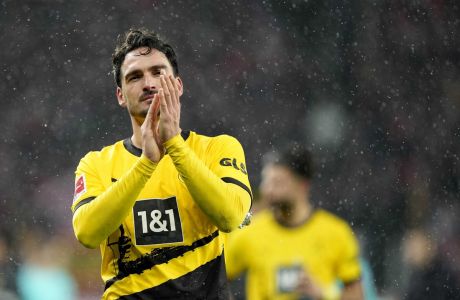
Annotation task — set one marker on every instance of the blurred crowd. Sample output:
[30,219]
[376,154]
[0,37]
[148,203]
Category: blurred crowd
[372,88]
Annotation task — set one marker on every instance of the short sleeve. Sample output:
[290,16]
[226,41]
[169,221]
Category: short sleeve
[349,269]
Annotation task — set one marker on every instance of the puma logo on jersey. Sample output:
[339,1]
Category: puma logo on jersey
[232,162]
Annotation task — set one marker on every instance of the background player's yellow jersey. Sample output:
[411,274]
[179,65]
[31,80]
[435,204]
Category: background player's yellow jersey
[166,244]
[273,255]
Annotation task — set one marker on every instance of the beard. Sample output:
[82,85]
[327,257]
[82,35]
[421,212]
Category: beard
[138,114]
[282,205]
[140,110]
[283,210]
[141,107]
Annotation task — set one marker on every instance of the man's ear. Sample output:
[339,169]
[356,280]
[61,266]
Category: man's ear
[120,97]
[181,85]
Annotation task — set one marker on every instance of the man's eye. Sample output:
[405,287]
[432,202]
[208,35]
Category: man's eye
[132,78]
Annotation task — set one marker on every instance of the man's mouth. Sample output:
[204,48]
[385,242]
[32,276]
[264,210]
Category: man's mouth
[281,203]
[148,96]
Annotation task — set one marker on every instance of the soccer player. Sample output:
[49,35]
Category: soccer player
[293,250]
[155,202]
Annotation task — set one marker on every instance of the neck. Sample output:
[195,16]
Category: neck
[136,138]
[293,215]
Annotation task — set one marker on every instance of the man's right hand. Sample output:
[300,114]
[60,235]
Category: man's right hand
[308,287]
[149,131]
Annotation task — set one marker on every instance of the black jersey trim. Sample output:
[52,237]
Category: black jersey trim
[131,148]
[156,257]
[83,202]
[238,183]
[185,134]
[128,144]
[208,281]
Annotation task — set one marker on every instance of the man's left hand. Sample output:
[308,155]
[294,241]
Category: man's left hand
[169,108]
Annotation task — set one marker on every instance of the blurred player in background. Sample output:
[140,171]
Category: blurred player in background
[430,275]
[155,202]
[293,250]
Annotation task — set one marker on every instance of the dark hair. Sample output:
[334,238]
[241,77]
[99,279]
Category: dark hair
[138,38]
[297,158]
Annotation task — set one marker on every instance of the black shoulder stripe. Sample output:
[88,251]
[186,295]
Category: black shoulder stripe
[83,202]
[238,183]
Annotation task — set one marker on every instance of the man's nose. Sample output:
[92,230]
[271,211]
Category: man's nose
[150,82]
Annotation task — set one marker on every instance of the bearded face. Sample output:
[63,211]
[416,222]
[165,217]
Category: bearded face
[280,187]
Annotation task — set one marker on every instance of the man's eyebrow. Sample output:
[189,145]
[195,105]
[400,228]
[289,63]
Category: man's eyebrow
[152,68]
[156,67]
[131,73]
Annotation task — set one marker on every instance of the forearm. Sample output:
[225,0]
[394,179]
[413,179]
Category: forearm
[226,204]
[95,221]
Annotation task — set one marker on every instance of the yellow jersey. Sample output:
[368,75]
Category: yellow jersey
[274,255]
[165,246]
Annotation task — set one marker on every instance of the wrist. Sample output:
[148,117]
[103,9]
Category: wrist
[173,141]
[147,165]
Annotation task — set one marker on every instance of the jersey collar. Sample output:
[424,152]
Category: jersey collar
[128,144]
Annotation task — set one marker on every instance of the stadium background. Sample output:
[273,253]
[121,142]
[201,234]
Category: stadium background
[372,87]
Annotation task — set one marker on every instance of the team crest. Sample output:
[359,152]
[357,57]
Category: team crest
[80,187]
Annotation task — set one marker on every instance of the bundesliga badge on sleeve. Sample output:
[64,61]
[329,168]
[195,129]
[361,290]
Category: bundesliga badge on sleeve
[80,187]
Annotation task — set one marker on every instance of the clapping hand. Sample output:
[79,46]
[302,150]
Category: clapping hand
[163,118]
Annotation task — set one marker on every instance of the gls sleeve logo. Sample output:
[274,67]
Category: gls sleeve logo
[232,162]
